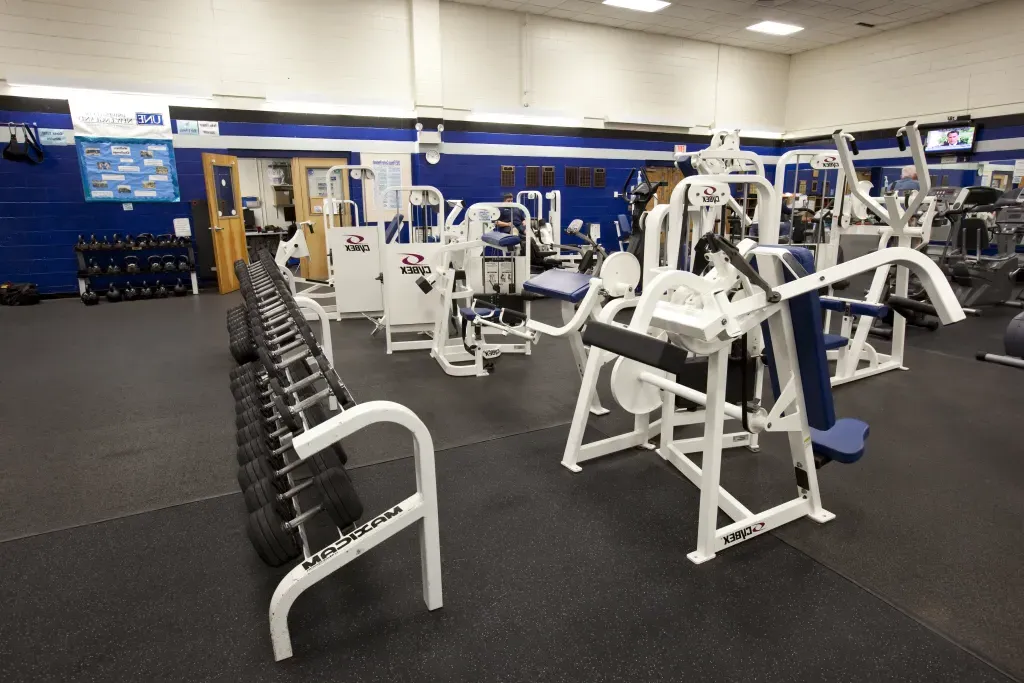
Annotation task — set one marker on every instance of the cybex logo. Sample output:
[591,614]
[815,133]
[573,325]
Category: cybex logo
[149,119]
[825,162]
[412,265]
[710,196]
[355,243]
[745,532]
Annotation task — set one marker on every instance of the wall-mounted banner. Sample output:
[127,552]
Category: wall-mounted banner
[124,150]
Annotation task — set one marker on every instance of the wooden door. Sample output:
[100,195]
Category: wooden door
[223,195]
[669,174]
[307,175]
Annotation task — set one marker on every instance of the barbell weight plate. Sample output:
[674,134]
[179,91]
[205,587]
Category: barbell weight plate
[632,393]
[339,497]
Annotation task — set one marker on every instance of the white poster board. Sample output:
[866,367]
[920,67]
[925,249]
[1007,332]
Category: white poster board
[391,170]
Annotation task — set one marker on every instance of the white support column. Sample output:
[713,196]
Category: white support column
[427,67]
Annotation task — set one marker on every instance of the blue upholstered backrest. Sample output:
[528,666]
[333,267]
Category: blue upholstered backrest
[810,349]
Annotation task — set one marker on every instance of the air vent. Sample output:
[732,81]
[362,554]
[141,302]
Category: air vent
[572,176]
[865,24]
[533,176]
[508,176]
[586,178]
[547,177]
[599,177]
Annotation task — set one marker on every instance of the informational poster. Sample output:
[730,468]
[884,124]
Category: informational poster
[125,150]
[1018,169]
[391,170]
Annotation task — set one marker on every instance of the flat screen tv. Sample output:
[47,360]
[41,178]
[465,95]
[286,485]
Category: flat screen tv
[950,140]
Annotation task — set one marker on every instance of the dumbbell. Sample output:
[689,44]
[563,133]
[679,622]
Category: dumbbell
[277,466]
[276,539]
[255,401]
[257,398]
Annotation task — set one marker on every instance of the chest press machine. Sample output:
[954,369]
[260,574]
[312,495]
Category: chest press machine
[770,304]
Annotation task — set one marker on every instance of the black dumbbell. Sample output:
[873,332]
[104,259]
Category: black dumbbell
[130,293]
[94,268]
[113,268]
[89,297]
[276,539]
[145,292]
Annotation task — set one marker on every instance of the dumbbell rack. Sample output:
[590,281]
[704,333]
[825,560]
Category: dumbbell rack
[84,277]
[422,505]
[315,566]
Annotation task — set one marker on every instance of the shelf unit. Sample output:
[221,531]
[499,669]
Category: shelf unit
[144,273]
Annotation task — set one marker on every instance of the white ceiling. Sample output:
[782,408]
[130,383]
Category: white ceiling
[825,22]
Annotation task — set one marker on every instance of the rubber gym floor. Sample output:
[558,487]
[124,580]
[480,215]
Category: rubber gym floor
[123,553]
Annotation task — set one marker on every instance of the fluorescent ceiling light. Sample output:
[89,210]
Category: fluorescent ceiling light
[775,28]
[639,5]
[524,119]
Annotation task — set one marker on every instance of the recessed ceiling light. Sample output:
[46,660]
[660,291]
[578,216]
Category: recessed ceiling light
[775,28]
[639,5]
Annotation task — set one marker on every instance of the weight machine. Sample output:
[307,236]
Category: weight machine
[855,357]
[771,308]
[408,309]
[354,251]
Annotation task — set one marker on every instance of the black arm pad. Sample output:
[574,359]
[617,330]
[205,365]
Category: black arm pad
[901,304]
[638,347]
[512,317]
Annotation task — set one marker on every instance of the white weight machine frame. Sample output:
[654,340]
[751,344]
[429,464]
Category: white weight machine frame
[705,321]
[408,309]
[354,251]
[896,224]
[464,252]
[296,247]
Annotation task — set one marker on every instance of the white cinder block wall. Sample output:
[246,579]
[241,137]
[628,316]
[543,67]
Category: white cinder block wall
[970,61]
[599,72]
[359,52]
[251,48]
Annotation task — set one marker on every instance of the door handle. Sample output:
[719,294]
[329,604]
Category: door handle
[216,227]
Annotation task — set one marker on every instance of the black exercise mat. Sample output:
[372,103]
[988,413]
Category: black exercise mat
[549,576]
[112,409]
[930,517]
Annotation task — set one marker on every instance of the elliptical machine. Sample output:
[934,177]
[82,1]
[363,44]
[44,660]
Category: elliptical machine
[637,197]
[979,279]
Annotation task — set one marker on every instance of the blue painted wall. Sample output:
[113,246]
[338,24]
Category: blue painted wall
[43,210]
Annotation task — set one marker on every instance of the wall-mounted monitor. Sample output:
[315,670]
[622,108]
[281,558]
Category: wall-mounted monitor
[950,140]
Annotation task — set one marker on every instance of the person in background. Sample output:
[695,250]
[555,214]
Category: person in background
[509,217]
[908,180]
[953,138]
